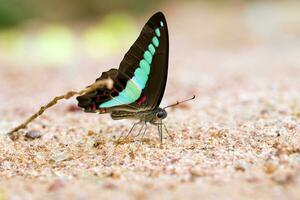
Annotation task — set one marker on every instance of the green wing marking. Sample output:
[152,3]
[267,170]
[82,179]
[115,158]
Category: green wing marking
[137,83]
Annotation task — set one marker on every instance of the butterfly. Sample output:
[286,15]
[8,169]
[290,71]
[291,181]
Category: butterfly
[135,90]
[139,83]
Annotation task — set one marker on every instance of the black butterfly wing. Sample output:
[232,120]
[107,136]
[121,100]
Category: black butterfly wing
[155,87]
[140,81]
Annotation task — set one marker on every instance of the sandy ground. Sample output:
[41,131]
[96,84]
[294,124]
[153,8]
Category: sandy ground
[240,138]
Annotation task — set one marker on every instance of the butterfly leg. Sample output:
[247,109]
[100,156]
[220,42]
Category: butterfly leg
[142,127]
[124,138]
[159,127]
[165,127]
[146,127]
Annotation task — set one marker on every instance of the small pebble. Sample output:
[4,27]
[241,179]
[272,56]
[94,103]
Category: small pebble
[62,156]
[33,134]
[57,184]
[6,165]
[241,166]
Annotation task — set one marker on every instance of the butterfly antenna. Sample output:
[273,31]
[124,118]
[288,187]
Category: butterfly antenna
[179,102]
[106,82]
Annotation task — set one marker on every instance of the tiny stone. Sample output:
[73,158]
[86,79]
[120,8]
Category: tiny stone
[57,184]
[241,166]
[33,134]
[283,177]
[114,175]
[90,133]
[109,186]
[270,168]
[60,157]
[99,143]
[6,165]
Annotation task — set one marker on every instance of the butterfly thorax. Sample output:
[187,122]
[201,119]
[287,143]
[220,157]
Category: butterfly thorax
[151,116]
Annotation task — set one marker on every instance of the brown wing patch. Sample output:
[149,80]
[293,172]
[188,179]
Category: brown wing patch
[90,102]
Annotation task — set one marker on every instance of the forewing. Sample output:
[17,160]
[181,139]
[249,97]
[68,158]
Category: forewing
[154,34]
[140,81]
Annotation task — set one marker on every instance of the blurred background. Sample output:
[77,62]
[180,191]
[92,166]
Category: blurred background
[70,42]
[57,33]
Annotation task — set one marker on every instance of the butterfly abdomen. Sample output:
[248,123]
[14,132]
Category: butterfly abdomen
[117,115]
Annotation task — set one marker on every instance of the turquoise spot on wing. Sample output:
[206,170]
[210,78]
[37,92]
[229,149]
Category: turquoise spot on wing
[130,94]
[151,48]
[148,56]
[155,41]
[132,91]
[110,103]
[145,66]
[141,74]
[141,83]
[124,97]
[157,32]
[161,24]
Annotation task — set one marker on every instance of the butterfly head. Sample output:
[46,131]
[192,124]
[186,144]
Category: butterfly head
[161,114]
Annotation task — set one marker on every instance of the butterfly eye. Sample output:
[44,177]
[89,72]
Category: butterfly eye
[159,114]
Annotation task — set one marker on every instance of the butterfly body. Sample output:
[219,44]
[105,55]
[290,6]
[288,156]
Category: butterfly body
[140,80]
[151,116]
